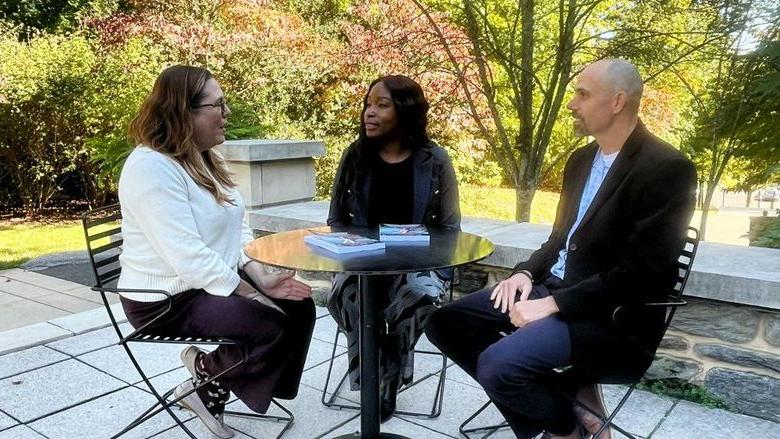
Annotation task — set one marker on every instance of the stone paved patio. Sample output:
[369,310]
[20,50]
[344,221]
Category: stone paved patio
[66,378]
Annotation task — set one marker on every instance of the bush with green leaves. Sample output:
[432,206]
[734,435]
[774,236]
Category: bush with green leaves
[42,113]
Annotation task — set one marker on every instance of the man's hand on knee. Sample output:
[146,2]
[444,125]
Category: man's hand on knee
[527,311]
[504,293]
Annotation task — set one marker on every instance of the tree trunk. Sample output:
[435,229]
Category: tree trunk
[747,199]
[705,210]
[523,199]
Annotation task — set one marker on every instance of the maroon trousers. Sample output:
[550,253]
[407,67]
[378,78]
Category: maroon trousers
[276,343]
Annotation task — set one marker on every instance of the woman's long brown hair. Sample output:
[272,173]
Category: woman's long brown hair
[164,124]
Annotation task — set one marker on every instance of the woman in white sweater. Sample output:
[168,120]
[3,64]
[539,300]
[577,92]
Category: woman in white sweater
[184,233]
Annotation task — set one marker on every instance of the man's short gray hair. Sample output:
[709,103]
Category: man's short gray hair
[625,77]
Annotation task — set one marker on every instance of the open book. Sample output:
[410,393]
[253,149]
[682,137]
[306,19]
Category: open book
[343,242]
[403,233]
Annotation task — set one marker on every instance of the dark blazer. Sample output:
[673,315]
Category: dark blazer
[625,250]
[435,190]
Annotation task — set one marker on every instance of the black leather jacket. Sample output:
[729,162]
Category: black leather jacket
[435,191]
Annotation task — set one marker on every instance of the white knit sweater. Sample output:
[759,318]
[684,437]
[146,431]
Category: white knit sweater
[176,236]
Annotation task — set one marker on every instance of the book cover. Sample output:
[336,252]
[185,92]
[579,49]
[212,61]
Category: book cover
[343,242]
[404,233]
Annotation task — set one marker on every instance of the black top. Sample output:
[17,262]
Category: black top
[392,192]
[434,188]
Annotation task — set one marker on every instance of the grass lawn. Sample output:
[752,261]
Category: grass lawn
[499,203]
[22,241]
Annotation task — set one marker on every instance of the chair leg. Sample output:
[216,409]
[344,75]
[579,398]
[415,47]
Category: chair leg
[436,406]
[162,401]
[331,401]
[150,412]
[608,422]
[488,430]
[438,399]
[288,419]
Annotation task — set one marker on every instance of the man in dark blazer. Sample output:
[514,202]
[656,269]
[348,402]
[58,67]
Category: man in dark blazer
[625,205]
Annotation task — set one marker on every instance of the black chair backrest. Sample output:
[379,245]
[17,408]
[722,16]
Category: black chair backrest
[103,232]
[684,263]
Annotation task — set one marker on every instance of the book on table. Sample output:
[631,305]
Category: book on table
[412,233]
[343,242]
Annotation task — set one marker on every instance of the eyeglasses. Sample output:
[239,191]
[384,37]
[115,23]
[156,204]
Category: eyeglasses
[221,104]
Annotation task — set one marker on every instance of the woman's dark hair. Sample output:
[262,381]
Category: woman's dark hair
[411,109]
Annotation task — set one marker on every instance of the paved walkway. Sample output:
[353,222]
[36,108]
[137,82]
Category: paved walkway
[66,378]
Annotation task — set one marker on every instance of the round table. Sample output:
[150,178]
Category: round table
[447,248]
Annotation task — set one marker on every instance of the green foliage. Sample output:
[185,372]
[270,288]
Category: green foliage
[767,235]
[472,167]
[42,84]
[31,17]
[681,389]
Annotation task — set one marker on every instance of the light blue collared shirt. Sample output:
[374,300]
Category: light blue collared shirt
[601,164]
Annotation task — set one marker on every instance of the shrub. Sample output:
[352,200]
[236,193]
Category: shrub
[42,85]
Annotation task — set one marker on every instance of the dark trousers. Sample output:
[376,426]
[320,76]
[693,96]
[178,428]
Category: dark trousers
[276,343]
[515,369]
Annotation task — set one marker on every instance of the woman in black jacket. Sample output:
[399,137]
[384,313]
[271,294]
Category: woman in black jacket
[393,173]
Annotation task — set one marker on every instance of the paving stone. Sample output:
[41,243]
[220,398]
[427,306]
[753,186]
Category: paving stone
[743,357]
[320,352]
[68,303]
[104,417]
[90,320]
[325,330]
[20,432]
[41,280]
[43,391]
[642,412]
[22,313]
[395,425]
[90,341]
[6,421]
[460,402]
[154,358]
[689,420]
[455,373]
[311,418]
[321,311]
[85,292]
[23,289]
[33,358]
[315,377]
[166,381]
[6,298]
[31,335]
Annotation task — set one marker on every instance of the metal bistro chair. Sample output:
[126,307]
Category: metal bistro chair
[104,244]
[438,398]
[684,263]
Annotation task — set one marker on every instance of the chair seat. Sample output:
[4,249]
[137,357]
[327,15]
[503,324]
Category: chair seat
[149,337]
